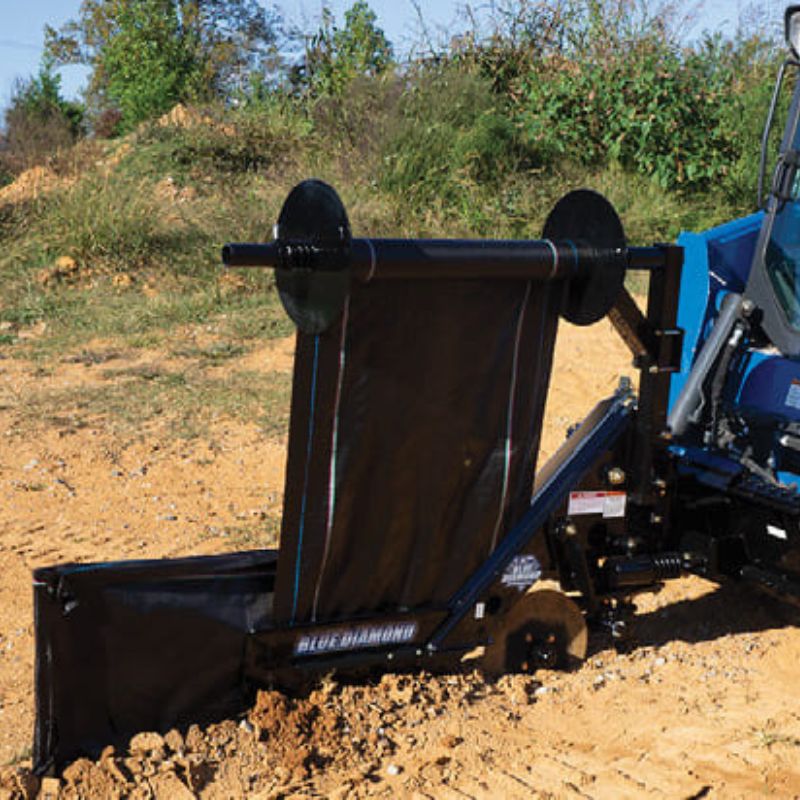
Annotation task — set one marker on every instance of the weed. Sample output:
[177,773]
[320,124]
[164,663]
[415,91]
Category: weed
[215,353]
[451,136]
[188,399]
[768,736]
[264,533]
[251,139]
[107,225]
[90,358]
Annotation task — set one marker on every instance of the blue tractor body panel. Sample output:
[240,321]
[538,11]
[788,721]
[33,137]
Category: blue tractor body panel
[764,388]
[716,261]
[771,386]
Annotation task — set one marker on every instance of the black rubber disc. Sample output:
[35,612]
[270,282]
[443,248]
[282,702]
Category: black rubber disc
[314,215]
[588,220]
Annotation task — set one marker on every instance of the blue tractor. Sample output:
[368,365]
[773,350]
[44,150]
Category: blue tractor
[710,461]
[732,454]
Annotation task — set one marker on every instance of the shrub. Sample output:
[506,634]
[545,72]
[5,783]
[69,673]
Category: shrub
[108,124]
[146,63]
[613,82]
[249,139]
[147,55]
[335,57]
[359,119]
[451,131]
[654,110]
[753,63]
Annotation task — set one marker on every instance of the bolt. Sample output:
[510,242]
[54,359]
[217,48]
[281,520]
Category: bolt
[619,629]
[616,476]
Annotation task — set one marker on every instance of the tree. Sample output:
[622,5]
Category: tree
[147,65]
[147,55]
[39,121]
[336,56]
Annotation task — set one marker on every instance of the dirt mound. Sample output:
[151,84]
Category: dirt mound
[31,184]
[346,726]
[182,116]
[338,734]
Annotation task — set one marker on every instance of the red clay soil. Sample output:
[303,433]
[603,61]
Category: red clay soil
[704,704]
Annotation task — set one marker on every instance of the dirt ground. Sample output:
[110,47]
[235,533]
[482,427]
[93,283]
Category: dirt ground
[704,705]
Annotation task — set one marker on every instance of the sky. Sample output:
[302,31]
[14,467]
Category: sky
[22,26]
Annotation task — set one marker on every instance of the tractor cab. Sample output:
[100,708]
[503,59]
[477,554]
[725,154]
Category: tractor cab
[774,281]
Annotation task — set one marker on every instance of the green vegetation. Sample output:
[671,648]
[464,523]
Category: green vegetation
[38,122]
[480,137]
[336,57]
[146,55]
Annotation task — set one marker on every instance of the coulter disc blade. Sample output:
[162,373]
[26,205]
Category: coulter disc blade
[544,629]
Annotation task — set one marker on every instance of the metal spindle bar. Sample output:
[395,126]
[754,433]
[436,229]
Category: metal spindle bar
[646,258]
[438,258]
[409,259]
[250,255]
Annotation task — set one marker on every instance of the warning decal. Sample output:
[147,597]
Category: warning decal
[793,395]
[609,504]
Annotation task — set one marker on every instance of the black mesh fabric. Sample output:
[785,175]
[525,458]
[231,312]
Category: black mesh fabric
[414,432]
[142,645]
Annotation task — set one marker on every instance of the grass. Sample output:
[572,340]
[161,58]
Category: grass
[215,353]
[263,533]
[76,316]
[143,272]
[142,258]
[187,400]
[141,234]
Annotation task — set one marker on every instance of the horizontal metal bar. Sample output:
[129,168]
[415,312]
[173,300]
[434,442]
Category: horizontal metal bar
[382,259]
[647,257]
[250,255]
[466,258]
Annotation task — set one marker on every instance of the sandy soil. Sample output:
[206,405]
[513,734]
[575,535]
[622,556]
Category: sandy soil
[705,704]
